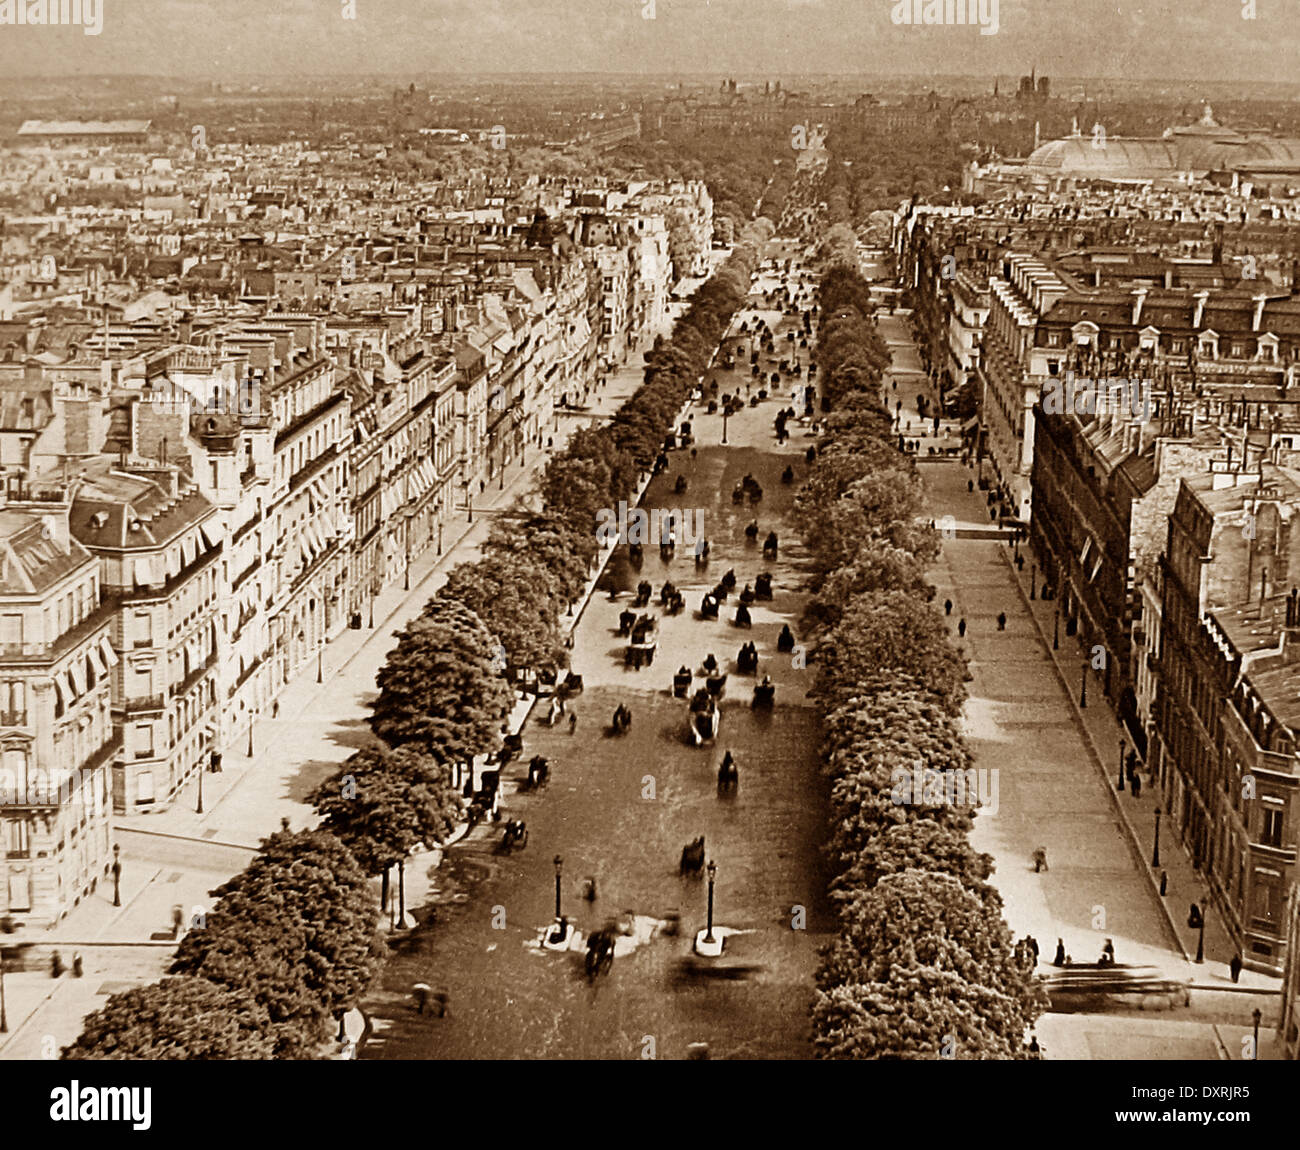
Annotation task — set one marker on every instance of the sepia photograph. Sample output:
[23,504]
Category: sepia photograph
[649,530]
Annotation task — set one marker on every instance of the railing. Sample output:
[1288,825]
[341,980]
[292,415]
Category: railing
[143,703]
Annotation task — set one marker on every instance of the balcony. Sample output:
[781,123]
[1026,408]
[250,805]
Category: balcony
[143,704]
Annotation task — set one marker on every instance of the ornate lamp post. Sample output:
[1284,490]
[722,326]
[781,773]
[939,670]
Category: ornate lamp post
[1200,935]
[712,870]
[1056,630]
[1256,1016]
[1083,689]
[1119,780]
[252,722]
[559,871]
[726,412]
[1155,850]
[117,875]
[198,807]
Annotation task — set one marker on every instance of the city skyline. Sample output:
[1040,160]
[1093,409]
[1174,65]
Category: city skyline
[302,38]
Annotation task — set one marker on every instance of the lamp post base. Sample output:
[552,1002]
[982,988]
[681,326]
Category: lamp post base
[709,948]
[559,935]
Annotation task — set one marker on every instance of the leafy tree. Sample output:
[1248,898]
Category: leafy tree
[181,1019]
[384,804]
[441,689]
[296,931]
[518,601]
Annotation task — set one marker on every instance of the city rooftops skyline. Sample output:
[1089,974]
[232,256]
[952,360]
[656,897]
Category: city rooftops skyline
[1166,40]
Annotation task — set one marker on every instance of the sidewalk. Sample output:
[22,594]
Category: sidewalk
[1103,731]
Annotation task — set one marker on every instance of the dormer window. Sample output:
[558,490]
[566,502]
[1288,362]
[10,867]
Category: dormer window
[99,520]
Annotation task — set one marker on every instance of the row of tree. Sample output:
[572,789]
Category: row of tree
[923,966]
[289,946]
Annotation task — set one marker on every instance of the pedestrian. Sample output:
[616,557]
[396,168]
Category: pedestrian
[947,606]
[275,708]
[961,628]
[1059,959]
[1108,954]
[1002,620]
[970,485]
[1033,947]
[1040,859]
[1137,786]
[1235,967]
[573,721]
[1164,883]
[589,888]
[56,964]
[1034,1048]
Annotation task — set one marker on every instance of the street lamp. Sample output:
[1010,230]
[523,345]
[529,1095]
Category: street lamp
[117,875]
[726,412]
[252,722]
[320,662]
[1056,630]
[1083,689]
[1033,580]
[1155,850]
[198,807]
[1200,937]
[4,1013]
[712,870]
[1119,782]
[559,870]
[1255,1016]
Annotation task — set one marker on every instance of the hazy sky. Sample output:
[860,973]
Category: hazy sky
[1174,39]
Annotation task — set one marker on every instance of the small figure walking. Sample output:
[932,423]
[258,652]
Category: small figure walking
[1136,784]
[1235,967]
[589,888]
[1040,860]
[961,628]
[1059,959]
[947,606]
[275,708]
[1108,954]
[1002,620]
[573,721]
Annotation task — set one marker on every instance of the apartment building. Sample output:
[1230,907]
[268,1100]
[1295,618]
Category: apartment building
[58,739]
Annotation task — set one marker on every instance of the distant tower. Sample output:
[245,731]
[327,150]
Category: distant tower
[1044,87]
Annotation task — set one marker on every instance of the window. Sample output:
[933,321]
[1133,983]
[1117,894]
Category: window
[142,741]
[11,629]
[144,792]
[1271,833]
[16,841]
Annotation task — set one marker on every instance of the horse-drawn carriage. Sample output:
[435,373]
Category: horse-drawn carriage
[643,592]
[635,555]
[763,587]
[770,545]
[667,592]
[679,488]
[751,531]
[705,717]
[571,685]
[539,772]
[682,682]
[709,606]
[785,640]
[747,595]
[742,617]
[622,722]
[510,747]
[600,952]
[701,553]
[728,775]
[764,694]
[515,835]
[643,642]
[692,859]
[747,659]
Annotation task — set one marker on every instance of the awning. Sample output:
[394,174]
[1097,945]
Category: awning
[189,549]
[96,661]
[146,571]
[78,673]
[971,423]
[64,690]
[211,535]
[106,649]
